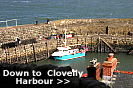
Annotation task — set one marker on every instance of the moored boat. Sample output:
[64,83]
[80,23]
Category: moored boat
[67,53]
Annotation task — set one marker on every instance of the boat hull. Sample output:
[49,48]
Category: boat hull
[69,57]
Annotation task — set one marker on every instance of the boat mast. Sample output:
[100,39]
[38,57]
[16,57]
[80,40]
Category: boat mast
[65,37]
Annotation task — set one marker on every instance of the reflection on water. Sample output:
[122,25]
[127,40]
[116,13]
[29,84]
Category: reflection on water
[126,61]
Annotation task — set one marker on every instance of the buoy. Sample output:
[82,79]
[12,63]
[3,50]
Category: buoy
[126,72]
[85,75]
[72,53]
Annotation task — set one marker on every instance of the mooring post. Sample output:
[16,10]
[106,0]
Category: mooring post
[104,48]
[36,22]
[34,52]
[6,54]
[80,32]
[48,20]
[91,45]
[77,40]
[100,46]
[85,42]
[16,53]
[47,49]
[19,55]
[107,30]
[9,55]
[25,54]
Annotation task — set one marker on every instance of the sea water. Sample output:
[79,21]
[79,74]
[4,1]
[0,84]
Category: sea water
[28,11]
[125,61]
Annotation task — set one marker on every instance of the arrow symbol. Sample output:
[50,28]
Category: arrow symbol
[67,81]
[60,81]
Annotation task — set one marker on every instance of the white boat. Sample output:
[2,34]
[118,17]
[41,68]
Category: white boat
[67,53]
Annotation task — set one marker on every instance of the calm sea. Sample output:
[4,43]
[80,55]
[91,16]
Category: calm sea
[126,61]
[28,11]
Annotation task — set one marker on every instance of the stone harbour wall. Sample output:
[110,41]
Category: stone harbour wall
[86,30]
[23,32]
[98,26]
[78,26]
[44,48]
[28,53]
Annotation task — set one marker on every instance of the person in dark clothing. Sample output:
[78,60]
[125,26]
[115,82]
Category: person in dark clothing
[48,20]
[18,40]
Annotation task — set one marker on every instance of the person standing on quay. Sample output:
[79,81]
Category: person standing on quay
[48,20]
